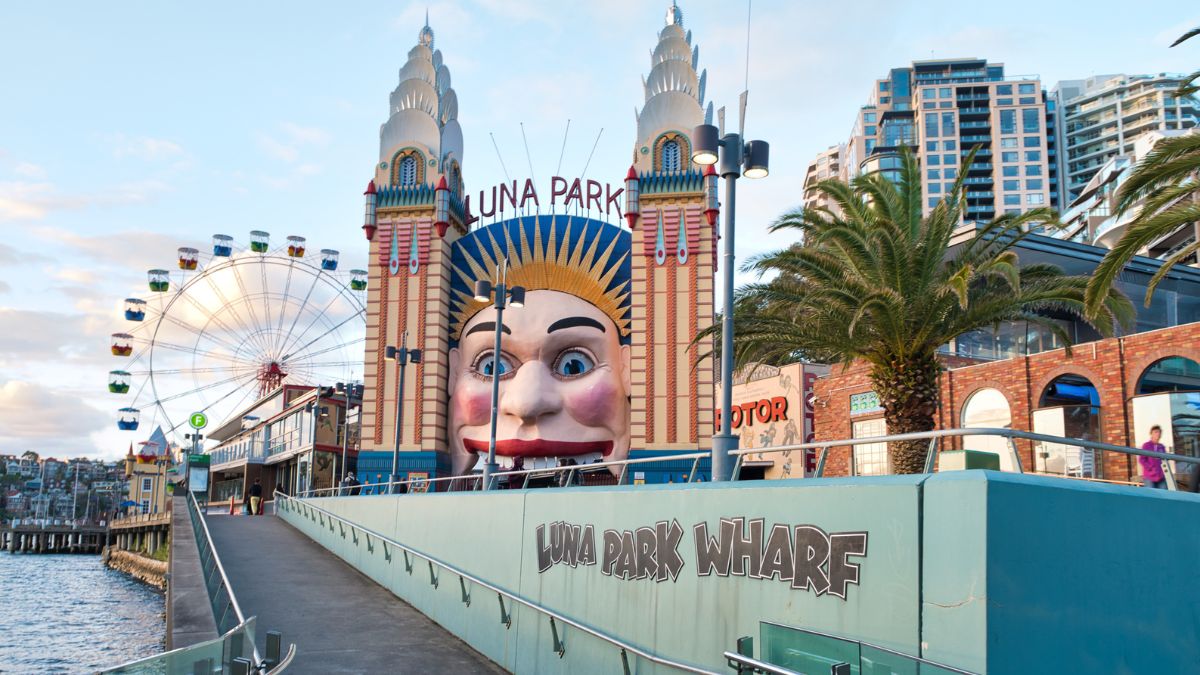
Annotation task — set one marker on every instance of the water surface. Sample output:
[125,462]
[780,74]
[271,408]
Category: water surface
[71,614]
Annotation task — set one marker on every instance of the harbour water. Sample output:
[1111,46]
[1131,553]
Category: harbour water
[71,614]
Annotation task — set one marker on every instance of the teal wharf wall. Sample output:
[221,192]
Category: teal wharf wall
[985,571]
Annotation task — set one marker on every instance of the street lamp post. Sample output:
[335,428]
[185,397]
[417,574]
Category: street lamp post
[403,356]
[348,388]
[312,454]
[731,155]
[484,291]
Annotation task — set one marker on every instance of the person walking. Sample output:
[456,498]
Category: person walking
[256,498]
[1152,467]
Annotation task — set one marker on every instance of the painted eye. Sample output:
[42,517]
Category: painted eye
[573,363]
[487,365]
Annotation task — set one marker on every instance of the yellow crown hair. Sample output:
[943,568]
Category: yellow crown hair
[549,264]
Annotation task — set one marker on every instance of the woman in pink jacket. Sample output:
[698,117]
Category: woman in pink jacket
[1152,467]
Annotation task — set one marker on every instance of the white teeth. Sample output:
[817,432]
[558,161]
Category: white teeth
[507,463]
[504,462]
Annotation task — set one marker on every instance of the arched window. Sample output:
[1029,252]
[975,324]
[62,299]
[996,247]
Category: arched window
[1070,408]
[670,156]
[408,170]
[1172,374]
[987,408]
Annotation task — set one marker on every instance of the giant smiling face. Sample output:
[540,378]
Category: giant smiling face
[564,385]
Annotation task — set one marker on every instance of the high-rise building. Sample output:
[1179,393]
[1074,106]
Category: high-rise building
[827,164]
[943,109]
[1092,217]
[1102,116]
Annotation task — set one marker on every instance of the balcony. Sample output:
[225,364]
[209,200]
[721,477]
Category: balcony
[972,97]
[981,195]
[985,124]
[977,181]
[975,139]
[980,166]
[982,152]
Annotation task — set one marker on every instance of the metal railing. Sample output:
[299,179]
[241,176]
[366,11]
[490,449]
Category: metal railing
[557,619]
[216,582]
[571,473]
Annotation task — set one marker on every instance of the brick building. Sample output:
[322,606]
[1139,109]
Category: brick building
[1108,390]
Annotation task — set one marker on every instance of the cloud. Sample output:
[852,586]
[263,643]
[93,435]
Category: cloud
[295,137]
[29,170]
[136,250]
[5,288]
[33,417]
[144,147]
[31,336]
[10,256]
[280,151]
[301,134]
[26,201]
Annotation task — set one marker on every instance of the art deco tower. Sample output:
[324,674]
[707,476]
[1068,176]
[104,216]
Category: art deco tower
[413,213]
[674,253]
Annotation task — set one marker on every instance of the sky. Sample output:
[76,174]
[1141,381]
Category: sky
[129,129]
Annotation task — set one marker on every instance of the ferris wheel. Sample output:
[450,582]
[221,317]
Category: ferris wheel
[225,328]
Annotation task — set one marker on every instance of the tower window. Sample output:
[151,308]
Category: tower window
[408,170]
[670,156]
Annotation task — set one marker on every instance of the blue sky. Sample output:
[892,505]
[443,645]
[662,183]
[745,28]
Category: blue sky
[128,129]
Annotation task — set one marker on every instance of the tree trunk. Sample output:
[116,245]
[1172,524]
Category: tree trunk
[908,391]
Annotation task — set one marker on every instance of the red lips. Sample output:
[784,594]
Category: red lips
[540,448]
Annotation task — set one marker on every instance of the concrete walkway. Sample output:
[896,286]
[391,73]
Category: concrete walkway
[340,621]
[189,614]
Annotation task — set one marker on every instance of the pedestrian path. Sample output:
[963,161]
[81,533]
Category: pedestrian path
[340,621]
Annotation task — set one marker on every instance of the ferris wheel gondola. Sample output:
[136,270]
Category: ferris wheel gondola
[228,328]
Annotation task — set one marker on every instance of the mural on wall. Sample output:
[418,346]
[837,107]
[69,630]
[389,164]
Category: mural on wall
[772,407]
[564,361]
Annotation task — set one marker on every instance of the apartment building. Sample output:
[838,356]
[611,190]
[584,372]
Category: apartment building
[944,109]
[827,164]
[1103,116]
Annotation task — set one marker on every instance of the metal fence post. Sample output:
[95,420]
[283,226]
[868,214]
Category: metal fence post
[240,666]
[274,648]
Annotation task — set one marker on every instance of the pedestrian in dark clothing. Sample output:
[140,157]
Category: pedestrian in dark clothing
[256,497]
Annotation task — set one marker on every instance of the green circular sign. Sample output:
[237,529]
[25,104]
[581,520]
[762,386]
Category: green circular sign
[198,420]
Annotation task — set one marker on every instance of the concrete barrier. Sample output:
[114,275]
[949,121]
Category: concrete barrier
[991,572]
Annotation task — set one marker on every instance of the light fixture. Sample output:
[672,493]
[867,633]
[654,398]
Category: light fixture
[757,159]
[516,296]
[390,353]
[705,142]
[483,290]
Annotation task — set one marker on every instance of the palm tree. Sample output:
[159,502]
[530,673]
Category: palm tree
[1166,185]
[873,280]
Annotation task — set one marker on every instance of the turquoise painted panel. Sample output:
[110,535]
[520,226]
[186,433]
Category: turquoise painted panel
[1075,576]
[954,570]
[1087,577]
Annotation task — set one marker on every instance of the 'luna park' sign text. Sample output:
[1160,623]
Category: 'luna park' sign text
[804,556]
[583,194]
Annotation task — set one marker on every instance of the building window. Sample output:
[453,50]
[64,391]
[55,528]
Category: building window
[945,104]
[1033,155]
[949,159]
[932,174]
[1070,408]
[935,188]
[147,484]
[933,201]
[947,123]
[1004,101]
[1172,374]
[1008,142]
[670,157]
[1008,121]
[1033,141]
[1012,185]
[929,105]
[1035,199]
[1010,171]
[929,92]
[1033,184]
[944,92]
[869,117]
[987,408]
[934,160]
[931,125]
[950,173]
[1031,120]
[883,86]
[885,99]
[1026,88]
[1033,169]
[1012,200]
[931,145]
[949,145]
[408,170]
[145,506]
[1009,156]
[871,459]
[1005,89]
[1030,100]
[868,131]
